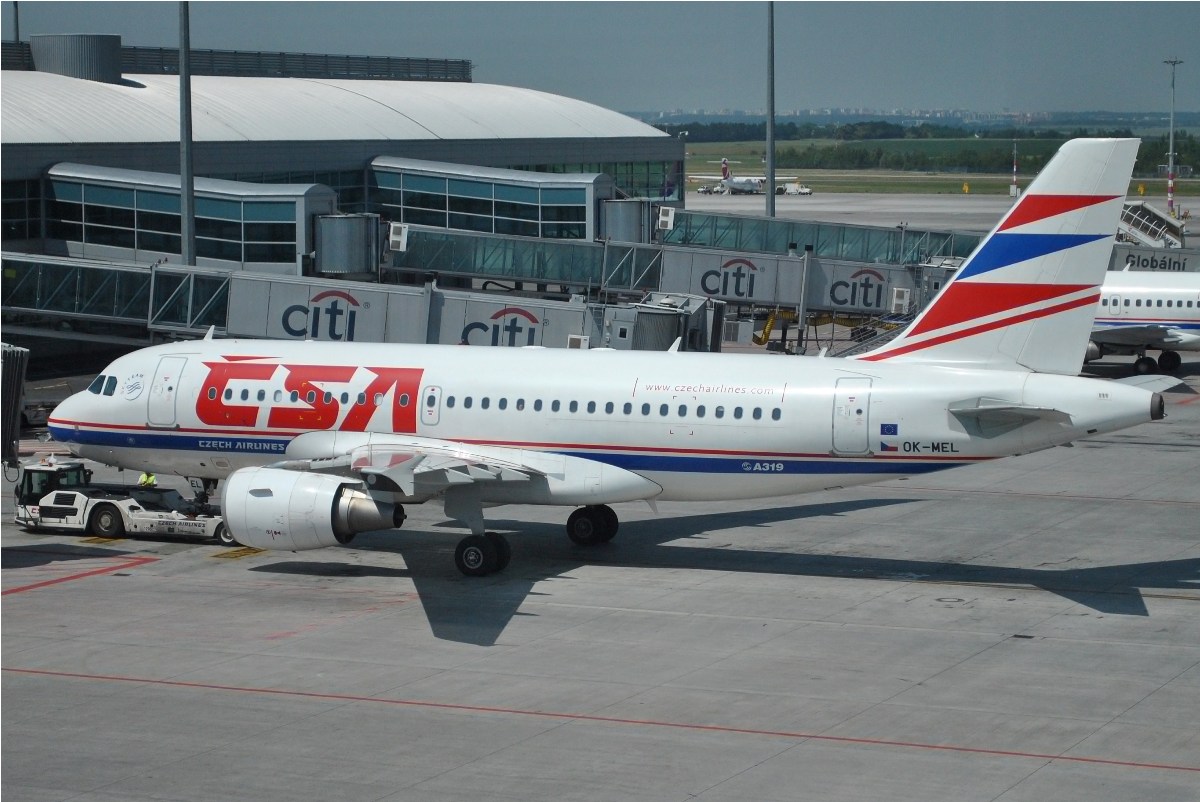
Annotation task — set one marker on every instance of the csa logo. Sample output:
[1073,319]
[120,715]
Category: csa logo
[133,386]
[508,324]
[322,318]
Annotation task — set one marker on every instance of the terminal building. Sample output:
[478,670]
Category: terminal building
[394,193]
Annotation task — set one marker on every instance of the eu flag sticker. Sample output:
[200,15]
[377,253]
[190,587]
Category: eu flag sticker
[889,428]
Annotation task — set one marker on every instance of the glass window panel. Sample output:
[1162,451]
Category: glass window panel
[386,179]
[425,183]
[572,197]
[219,229]
[116,237]
[471,222]
[564,231]
[270,232]
[65,211]
[564,214]
[518,194]
[67,191]
[517,228]
[518,211]
[424,200]
[158,201]
[154,241]
[108,216]
[66,231]
[222,209]
[270,211]
[472,189]
[425,217]
[109,196]
[470,205]
[153,221]
[217,249]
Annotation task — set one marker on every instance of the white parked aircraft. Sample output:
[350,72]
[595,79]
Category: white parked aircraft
[738,185]
[318,441]
[1142,310]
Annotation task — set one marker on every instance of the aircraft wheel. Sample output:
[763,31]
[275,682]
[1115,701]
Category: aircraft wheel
[503,550]
[106,521]
[224,537]
[585,527]
[611,522]
[1169,361]
[1145,365]
[476,556]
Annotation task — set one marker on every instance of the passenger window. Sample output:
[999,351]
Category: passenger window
[1138,302]
[450,401]
[591,407]
[663,410]
[574,406]
[555,406]
[328,397]
[1159,304]
[645,409]
[485,402]
[537,405]
[627,409]
[430,402]
[683,410]
[262,395]
[608,408]
[378,399]
[737,413]
[404,399]
[228,394]
[719,412]
[362,399]
[502,403]
[245,395]
[98,384]
[758,413]
[212,393]
[345,398]
[700,411]
[776,413]
[520,404]
[311,397]
[1127,302]
[294,396]
[467,402]
[110,386]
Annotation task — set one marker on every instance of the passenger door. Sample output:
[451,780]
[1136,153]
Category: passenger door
[160,403]
[851,416]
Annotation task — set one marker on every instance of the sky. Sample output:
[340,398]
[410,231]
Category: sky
[661,56]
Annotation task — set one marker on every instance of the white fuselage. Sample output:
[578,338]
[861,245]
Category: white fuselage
[1166,306]
[701,426]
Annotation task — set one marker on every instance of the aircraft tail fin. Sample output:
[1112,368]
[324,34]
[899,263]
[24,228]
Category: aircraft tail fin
[1026,297]
[725,172]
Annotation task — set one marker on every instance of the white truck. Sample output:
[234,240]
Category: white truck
[61,496]
[793,188]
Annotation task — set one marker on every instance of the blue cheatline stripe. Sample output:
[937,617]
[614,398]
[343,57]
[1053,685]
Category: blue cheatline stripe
[667,463]
[1003,250]
[1133,322]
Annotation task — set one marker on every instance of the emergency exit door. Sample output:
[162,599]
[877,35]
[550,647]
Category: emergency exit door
[851,416]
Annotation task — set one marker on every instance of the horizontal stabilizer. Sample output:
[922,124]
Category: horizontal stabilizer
[996,411]
[1153,383]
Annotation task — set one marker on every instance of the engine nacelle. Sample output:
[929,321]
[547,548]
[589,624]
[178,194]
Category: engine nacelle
[271,508]
[1093,352]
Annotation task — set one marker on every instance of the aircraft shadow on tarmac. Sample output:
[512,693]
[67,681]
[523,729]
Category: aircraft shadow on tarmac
[476,610]
[35,556]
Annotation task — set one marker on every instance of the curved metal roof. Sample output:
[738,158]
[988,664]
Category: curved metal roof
[41,107]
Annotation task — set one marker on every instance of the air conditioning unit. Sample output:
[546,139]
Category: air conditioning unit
[579,341]
[666,218]
[398,237]
[899,304]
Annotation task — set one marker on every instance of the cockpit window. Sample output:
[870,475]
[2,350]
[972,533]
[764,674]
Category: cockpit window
[110,386]
[97,385]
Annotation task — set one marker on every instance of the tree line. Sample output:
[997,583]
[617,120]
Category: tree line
[856,146]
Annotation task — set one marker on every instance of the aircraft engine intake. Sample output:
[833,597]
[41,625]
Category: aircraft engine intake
[271,508]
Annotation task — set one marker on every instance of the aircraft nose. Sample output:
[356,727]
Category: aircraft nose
[62,422]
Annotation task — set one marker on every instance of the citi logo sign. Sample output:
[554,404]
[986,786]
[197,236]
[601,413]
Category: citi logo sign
[865,288]
[330,315]
[511,326]
[734,279]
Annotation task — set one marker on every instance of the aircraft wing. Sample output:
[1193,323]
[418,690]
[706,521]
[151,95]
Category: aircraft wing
[1151,335]
[422,467]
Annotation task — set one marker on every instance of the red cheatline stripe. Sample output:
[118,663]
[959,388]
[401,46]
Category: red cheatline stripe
[964,301]
[1039,207]
[958,335]
[129,562]
[676,725]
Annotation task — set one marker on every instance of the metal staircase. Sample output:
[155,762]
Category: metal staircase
[1148,225]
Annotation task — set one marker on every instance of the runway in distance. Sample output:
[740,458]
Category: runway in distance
[1147,309]
[315,442]
[730,184]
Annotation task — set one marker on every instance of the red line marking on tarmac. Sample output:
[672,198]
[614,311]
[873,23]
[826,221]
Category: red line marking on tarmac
[1190,400]
[675,725]
[129,562]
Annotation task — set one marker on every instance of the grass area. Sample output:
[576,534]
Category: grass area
[748,158]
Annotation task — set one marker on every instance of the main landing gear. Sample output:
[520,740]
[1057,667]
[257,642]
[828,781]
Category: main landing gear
[1168,362]
[480,555]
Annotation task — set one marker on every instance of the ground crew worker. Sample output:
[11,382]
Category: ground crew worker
[147,480]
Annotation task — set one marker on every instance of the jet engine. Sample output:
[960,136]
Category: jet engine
[272,508]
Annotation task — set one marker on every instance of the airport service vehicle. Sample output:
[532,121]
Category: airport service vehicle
[729,184]
[314,442]
[61,496]
[793,188]
[1149,309]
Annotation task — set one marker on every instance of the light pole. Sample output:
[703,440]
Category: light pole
[1174,62]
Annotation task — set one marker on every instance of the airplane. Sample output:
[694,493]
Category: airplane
[314,442]
[733,185]
[1142,310]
